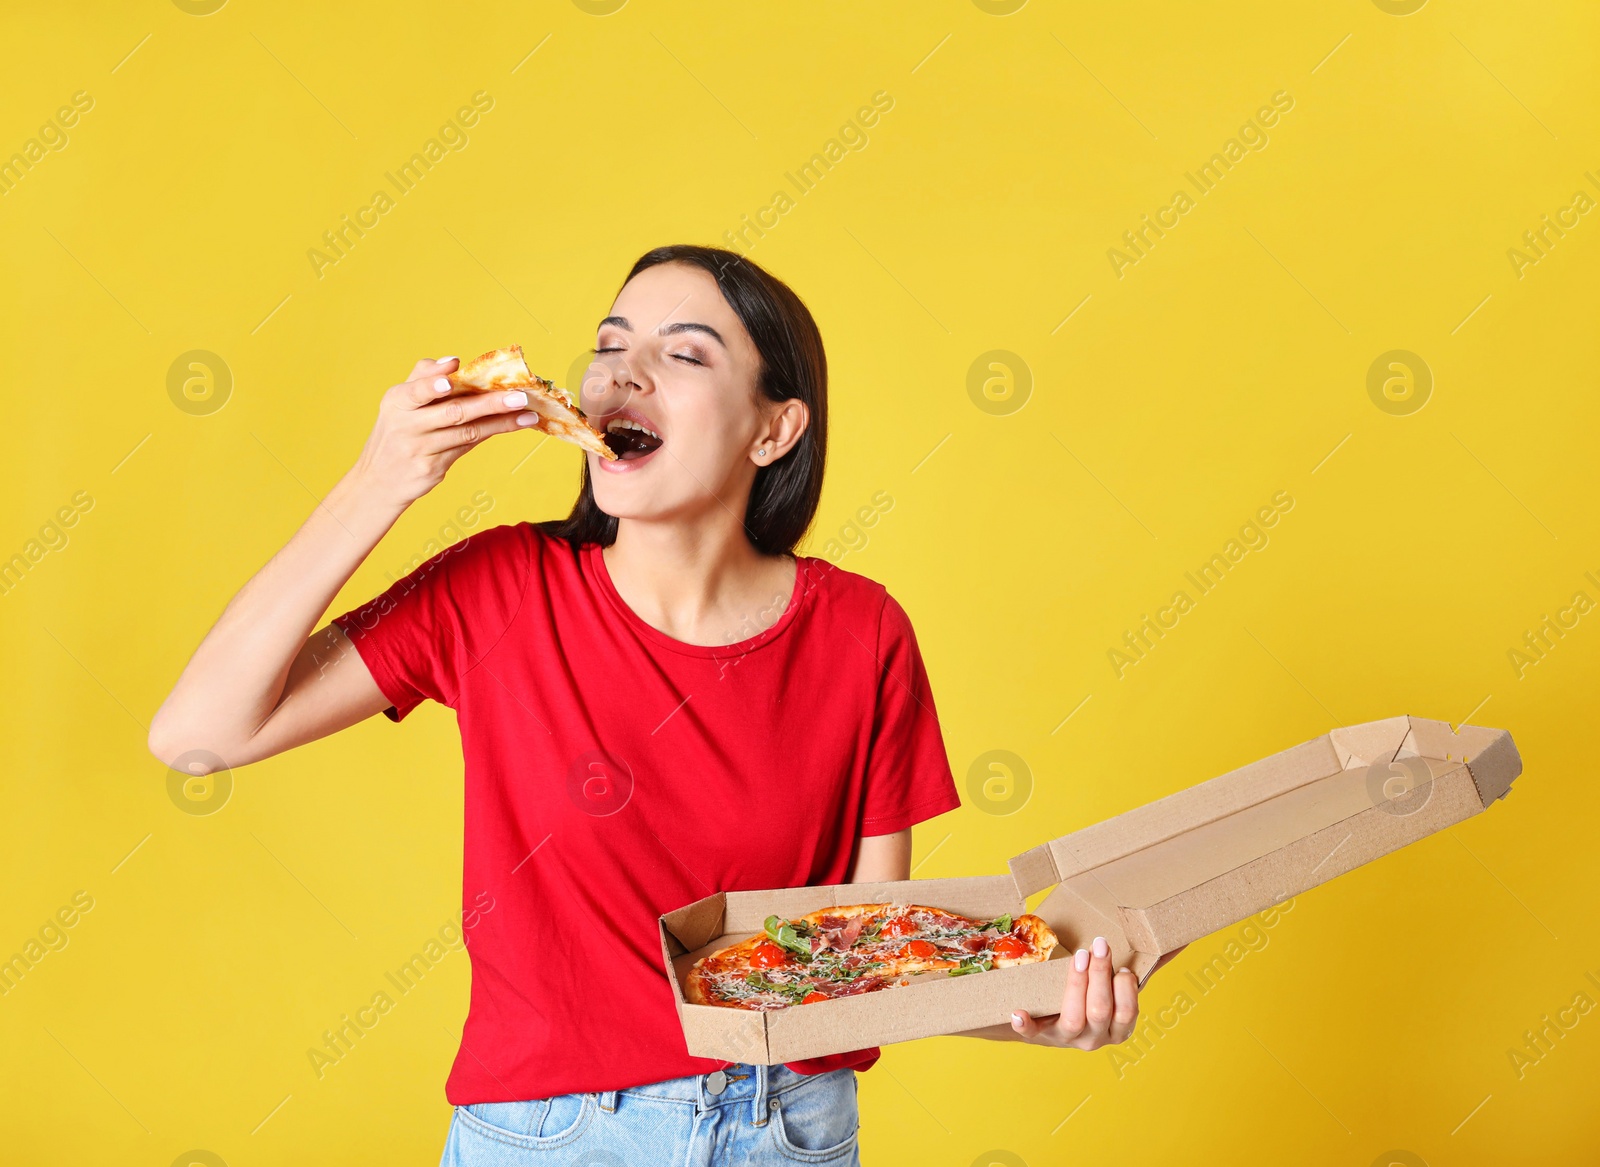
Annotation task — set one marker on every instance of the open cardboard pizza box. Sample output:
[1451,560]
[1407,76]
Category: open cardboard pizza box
[1150,880]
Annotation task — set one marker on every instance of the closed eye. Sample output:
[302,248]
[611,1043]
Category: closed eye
[680,356]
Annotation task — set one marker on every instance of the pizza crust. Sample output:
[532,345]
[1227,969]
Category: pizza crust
[505,369]
[1041,939]
[844,913]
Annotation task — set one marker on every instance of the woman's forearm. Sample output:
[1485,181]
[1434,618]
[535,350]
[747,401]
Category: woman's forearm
[236,677]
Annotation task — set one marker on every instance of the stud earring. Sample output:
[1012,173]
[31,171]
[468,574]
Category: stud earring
[762,452]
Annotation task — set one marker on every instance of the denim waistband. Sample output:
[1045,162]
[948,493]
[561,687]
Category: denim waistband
[742,1085]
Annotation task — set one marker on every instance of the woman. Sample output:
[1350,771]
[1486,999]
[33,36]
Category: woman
[657,700]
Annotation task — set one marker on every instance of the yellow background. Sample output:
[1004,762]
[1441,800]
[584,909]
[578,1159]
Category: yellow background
[1229,364]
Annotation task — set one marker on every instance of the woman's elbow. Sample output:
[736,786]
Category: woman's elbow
[179,748]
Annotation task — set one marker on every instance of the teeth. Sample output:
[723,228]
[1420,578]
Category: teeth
[622,423]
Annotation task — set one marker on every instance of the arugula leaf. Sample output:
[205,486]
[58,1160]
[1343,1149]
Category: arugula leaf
[971,964]
[795,991]
[783,934]
[1003,923]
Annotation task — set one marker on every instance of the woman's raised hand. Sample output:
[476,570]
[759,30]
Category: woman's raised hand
[423,426]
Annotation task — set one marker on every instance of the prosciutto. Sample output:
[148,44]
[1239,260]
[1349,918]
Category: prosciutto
[836,933]
[859,985]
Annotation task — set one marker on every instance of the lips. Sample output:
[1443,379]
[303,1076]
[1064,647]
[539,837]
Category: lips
[631,435]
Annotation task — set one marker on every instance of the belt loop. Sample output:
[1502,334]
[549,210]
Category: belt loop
[608,1101]
[760,1102]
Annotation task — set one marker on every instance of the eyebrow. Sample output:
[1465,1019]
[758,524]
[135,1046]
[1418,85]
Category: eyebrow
[670,329]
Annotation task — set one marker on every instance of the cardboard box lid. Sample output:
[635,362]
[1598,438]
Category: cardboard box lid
[1207,856]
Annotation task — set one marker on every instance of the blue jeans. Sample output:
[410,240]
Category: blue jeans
[762,1115]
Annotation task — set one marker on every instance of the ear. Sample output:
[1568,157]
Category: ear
[785,424]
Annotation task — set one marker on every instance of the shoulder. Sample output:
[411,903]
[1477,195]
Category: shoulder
[501,550]
[487,572]
[472,586]
[846,591]
[513,547]
[856,599]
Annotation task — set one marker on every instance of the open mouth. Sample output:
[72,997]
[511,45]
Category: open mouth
[630,439]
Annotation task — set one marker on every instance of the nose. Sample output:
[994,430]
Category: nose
[611,382]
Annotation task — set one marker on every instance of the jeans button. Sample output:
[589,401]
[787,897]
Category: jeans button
[716,1082]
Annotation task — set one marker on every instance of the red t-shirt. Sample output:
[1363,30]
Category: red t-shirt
[614,774]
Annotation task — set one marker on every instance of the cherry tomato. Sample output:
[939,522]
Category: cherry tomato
[813,996]
[1010,948]
[921,949]
[768,955]
[899,926]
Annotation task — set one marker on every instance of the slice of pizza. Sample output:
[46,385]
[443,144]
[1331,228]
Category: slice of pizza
[860,948]
[506,369]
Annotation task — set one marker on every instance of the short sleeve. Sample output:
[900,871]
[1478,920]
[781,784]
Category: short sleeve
[908,773]
[423,634]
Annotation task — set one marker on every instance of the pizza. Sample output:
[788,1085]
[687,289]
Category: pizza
[505,369]
[862,948]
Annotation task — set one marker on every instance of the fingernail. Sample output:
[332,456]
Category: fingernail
[1101,948]
[1120,971]
[529,418]
[516,400]
[1016,1019]
[444,360]
[1080,959]
[442,385]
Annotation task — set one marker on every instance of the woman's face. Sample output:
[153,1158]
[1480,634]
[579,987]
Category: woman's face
[673,386]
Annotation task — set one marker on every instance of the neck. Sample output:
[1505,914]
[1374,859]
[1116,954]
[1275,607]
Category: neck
[700,581]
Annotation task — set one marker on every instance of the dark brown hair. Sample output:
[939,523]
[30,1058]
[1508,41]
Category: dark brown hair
[784,496]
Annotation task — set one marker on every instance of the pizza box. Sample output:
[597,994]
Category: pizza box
[1149,880]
